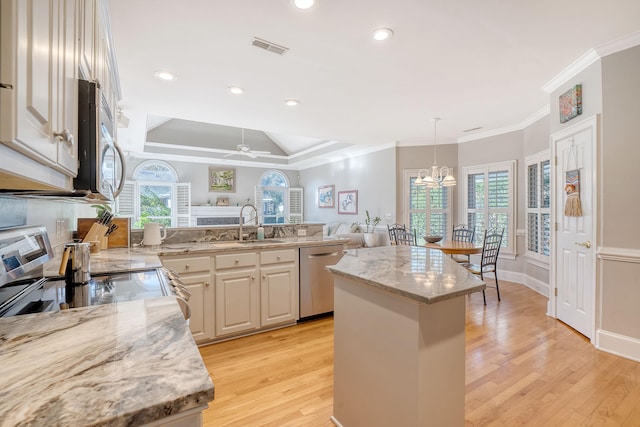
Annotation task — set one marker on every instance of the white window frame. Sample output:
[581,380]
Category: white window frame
[509,243]
[293,202]
[406,191]
[180,214]
[537,258]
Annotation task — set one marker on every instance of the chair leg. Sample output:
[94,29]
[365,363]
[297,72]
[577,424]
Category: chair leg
[484,296]
[497,287]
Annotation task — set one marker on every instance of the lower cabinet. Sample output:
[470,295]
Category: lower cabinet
[195,274]
[238,293]
[237,302]
[278,295]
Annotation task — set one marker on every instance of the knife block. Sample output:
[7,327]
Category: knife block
[118,239]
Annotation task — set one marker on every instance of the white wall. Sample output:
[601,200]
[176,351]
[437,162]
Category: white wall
[373,175]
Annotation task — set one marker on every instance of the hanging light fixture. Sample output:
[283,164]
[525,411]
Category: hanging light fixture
[438,176]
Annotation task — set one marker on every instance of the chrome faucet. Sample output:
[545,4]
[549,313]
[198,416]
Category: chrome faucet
[255,211]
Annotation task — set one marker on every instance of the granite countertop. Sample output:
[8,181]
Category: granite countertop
[146,257]
[127,363]
[421,274]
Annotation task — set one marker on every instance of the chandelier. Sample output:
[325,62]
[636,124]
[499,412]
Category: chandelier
[438,176]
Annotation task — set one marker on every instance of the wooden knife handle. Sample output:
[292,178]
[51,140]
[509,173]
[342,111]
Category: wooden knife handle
[65,259]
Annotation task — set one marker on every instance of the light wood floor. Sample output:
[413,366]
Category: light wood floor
[522,368]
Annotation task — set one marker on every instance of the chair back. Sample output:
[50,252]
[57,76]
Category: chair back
[392,231]
[491,247]
[405,237]
[463,233]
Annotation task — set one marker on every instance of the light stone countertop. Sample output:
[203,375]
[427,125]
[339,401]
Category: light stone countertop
[120,364]
[414,272]
[146,257]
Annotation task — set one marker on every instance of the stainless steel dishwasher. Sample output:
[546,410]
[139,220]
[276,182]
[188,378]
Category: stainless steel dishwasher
[316,283]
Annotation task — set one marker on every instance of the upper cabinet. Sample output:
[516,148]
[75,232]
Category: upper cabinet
[44,45]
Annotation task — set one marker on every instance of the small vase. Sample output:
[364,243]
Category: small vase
[371,240]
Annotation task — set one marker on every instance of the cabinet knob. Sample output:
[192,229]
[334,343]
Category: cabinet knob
[65,135]
[278,257]
[236,261]
[253,277]
[264,276]
[206,283]
[186,266]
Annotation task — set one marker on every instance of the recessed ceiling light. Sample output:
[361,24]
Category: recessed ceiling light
[292,102]
[235,90]
[382,34]
[165,75]
[304,4]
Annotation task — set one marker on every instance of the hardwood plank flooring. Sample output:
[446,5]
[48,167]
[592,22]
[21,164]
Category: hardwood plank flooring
[522,368]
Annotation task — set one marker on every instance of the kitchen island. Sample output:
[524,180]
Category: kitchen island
[130,363]
[399,319]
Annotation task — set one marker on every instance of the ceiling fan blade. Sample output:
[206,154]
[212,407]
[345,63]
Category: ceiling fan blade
[250,154]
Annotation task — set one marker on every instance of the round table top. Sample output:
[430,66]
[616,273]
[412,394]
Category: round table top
[455,247]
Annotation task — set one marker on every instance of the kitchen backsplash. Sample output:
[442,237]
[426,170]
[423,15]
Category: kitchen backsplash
[57,216]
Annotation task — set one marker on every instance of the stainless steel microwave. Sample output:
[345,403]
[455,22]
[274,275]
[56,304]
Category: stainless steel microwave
[101,162]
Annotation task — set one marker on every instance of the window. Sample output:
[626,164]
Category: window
[428,209]
[490,200]
[155,195]
[275,201]
[538,206]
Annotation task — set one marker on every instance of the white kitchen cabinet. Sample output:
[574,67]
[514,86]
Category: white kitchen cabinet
[39,95]
[278,287]
[195,274]
[87,37]
[237,301]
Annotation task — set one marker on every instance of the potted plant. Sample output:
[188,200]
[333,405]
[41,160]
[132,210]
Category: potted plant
[371,239]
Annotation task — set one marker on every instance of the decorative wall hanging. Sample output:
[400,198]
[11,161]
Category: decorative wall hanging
[326,196]
[222,180]
[571,103]
[348,202]
[572,206]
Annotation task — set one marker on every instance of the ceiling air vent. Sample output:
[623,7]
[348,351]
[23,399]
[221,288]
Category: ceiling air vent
[472,129]
[268,46]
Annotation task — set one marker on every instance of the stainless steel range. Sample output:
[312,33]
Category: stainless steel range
[23,289]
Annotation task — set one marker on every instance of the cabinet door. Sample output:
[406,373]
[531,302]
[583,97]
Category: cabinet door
[87,39]
[67,99]
[278,295]
[201,304]
[37,83]
[237,305]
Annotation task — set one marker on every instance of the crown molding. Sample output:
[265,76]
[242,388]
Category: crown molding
[619,44]
[591,56]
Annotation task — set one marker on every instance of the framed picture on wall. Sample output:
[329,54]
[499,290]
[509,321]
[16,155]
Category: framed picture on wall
[222,180]
[326,196]
[348,202]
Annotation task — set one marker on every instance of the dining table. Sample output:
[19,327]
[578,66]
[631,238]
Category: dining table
[453,247]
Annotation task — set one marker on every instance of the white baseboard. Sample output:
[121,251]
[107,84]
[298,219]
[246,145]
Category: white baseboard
[617,344]
[534,284]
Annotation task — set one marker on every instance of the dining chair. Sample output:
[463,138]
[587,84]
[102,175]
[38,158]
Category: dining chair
[462,233]
[489,259]
[405,237]
[392,231]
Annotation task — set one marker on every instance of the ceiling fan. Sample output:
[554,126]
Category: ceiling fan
[245,150]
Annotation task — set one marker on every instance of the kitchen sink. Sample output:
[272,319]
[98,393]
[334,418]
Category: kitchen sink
[239,243]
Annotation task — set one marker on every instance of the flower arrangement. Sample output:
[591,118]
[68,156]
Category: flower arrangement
[371,221]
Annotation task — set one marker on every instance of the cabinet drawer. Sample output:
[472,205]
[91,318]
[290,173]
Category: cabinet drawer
[188,265]
[274,257]
[236,260]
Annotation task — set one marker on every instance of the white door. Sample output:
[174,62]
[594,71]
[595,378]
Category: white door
[574,243]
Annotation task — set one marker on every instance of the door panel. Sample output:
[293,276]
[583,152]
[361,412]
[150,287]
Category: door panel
[575,272]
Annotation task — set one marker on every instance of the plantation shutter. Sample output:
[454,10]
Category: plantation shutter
[183,204]
[259,207]
[295,206]
[126,201]
[498,202]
